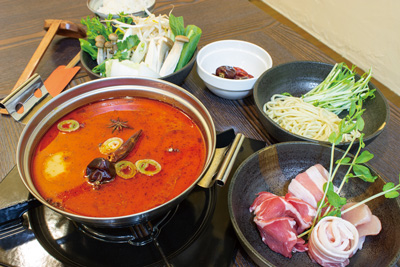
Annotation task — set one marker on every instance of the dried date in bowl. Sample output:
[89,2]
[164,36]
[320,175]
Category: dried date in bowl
[230,72]
[250,57]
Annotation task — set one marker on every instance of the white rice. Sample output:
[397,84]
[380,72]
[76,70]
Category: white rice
[126,6]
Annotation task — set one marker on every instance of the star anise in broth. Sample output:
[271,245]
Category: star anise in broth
[118,125]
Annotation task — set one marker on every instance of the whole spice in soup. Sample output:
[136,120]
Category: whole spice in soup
[100,171]
[125,148]
[110,145]
[229,72]
[118,125]
[125,169]
[67,156]
[148,167]
[68,126]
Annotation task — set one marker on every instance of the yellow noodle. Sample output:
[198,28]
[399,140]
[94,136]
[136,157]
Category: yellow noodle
[299,117]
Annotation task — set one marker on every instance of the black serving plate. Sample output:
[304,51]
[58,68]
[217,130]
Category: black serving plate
[272,168]
[297,78]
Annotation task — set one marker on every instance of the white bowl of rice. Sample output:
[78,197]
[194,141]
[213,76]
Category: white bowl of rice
[103,8]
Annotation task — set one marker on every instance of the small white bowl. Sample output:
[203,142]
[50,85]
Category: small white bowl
[250,57]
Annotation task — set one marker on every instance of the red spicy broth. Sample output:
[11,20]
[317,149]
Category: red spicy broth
[169,136]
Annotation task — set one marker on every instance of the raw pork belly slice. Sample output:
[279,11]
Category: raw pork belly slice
[279,221]
[308,185]
[318,174]
[279,234]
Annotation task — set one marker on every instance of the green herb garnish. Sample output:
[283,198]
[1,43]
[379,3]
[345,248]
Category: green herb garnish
[340,89]
[332,200]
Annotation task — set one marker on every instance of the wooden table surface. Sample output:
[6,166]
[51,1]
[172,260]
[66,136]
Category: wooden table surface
[246,20]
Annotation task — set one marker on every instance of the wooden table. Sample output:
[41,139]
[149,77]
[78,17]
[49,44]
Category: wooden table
[219,19]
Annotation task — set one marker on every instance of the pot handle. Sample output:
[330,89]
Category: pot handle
[229,160]
[222,163]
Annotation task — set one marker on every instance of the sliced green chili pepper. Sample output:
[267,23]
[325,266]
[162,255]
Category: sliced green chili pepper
[148,167]
[125,169]
[68,126]
[110,145]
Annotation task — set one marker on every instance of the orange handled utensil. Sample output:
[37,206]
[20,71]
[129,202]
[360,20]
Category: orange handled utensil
[53,27]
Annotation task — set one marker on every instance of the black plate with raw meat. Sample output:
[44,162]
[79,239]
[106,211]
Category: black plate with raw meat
[272,168]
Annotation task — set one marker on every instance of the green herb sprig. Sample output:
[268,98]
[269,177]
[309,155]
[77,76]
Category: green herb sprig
[331,200]
[340,89]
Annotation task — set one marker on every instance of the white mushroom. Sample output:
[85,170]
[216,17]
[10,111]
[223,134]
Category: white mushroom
[151,56]
[100,52]
[100,48]
[173,57]
[108,46]
[164,45]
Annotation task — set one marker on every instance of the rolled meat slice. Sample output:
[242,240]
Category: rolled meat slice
[333,240]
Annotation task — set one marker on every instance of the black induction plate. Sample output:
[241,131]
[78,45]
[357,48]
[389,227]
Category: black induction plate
[214,246]
[61,238]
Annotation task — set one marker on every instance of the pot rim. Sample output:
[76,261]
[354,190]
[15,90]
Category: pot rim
[106,88]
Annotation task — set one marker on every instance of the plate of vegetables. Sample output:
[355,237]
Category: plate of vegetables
[154,47]
[306,101]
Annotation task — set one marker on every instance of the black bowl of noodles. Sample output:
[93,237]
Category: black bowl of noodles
[299,77]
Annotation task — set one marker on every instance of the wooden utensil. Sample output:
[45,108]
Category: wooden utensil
[56,83]
[53,85]
[53,27]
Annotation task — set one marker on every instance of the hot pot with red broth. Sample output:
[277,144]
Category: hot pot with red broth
[116,151]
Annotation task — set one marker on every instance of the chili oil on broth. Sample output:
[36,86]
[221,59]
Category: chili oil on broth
[169,136]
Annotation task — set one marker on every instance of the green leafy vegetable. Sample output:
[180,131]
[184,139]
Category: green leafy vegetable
[340,90]
[334,199]
[177,25]
[88,47]
[123,47]
[193,33]
[101,68]
[94,27]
